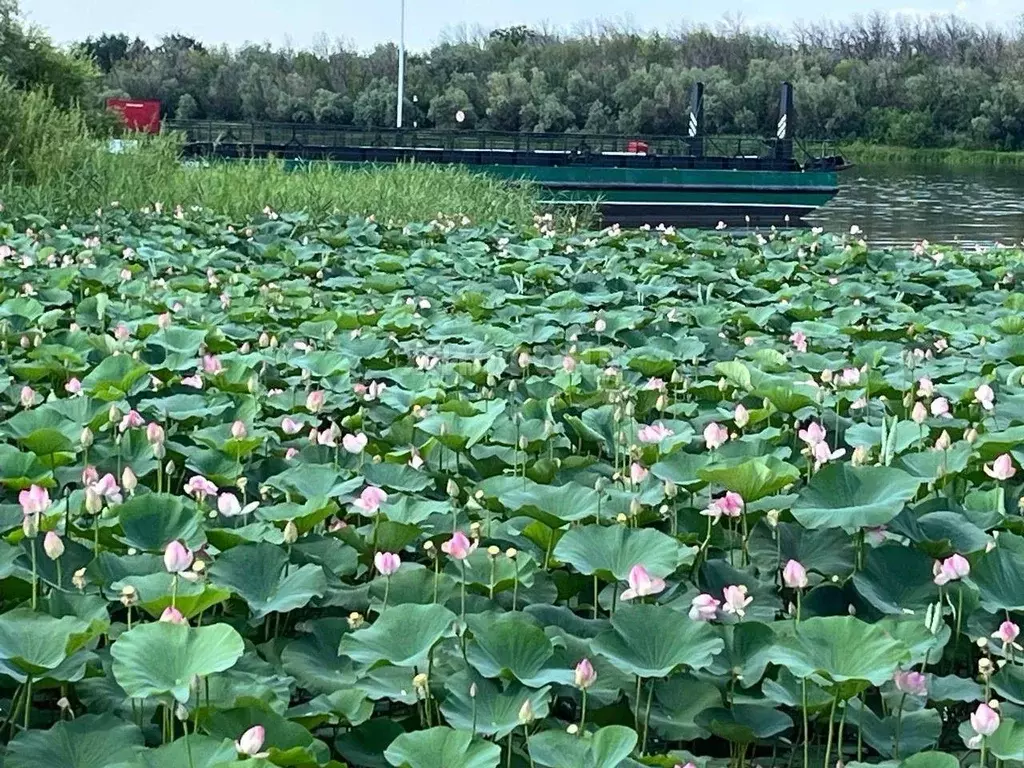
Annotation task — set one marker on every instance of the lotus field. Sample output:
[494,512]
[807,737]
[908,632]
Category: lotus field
[324,493]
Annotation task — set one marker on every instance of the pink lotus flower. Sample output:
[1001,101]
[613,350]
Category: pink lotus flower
[823,454]
[34,501]
[228,505]
[925,388]
[704,608]
[940,408]
[172,615]
[850,377]
[799,341]
[370,499]
[655,384]
[387,563]
[192,381]
[199,487]
[238,430]
[290,426]
[107,488]
[177,557]
[1008,633]
[315,400]
[568,363]
[736,600]
[642,584]
[1002,468]
[459,546]
[584,675]
[291,453]
[163,322]
[212,365]
[741,416]
[812,434]
[354,444]
[375,390]
[73,387]
[155,434]
[637,473]
[654,433]
[121,333]
[729,505]
[132,420]
[919,414]
[912,683]
[985,397]
[250,742]
[951,569]
[715,436]
[794,575]
[53,546]
[985,720]
[28,396]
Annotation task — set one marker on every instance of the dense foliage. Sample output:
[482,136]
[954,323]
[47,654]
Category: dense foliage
[914,83]
[302,492]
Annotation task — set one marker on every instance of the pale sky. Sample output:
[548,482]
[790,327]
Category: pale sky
[301,22]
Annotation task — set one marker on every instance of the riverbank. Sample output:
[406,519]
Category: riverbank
[860,152]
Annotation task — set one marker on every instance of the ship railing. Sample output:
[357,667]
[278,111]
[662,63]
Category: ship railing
[286,138]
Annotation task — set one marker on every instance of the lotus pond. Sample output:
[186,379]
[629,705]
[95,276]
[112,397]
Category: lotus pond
[306,492]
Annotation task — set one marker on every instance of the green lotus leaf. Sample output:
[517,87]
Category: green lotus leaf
[745,723]
[403,635]
[681,468]
[511,645]
[844,496]
[918,731]
[896,579]
[114,378]
[606,748]
[261,575]
[752,479]
[314,481]
[677,703]
[651,641]
[152,521]
[442,747]
[288,743]
[612,551]
[199,752]
[554,505]
[999,576]
[494,711]
[462,432]
[828,551]
[839,648]
[313,660]
[365,744]
[349,706]
[929,760]
[1007,743]
[162,658]
[33,644]
[156,591]
[397,477]
[747,652]
[88,741]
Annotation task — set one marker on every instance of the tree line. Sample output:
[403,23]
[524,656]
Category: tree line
[914,82]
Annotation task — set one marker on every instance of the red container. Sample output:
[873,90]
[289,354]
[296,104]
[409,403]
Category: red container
[142,115]
[637,147]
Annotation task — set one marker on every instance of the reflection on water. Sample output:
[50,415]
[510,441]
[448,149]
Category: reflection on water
[898,205]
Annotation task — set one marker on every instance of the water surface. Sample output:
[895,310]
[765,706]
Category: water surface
[901,204]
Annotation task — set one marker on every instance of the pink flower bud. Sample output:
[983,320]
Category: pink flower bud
[172,615]
[585,675]
[387,563]
[794,575]
[177,557]
[459,546]
[53,546]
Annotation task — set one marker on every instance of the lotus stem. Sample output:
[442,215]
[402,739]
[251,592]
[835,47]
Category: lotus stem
[188,745]
[526,740]
[899,726]
[508,758]
[463,591]
[174,590]
[984,752]
[35,573]
[60,580]
[799,604]
[831,729]
[807,731]
[596,593]
[28,702]
[583,713]
[636,708]
[647,715]
[387,590]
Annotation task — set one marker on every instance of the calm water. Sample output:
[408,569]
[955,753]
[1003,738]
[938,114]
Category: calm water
[902,204]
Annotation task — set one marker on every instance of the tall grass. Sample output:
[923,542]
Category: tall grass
[51,164]
[860,152]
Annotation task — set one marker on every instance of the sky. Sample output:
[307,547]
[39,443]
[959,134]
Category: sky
[301,23]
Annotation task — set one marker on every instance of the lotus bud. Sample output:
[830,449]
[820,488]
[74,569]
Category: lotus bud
[971,435]
[671,489]
[291,532]
[634,507]
[661,403]
[93,501]
[30,526]
[621,518]
[772,518]
[78,579]
[860,456]
[452,488]
[238,430]
[53,546]
[86,438]
[170,468]
[526,713]
[264,340]
[113,415]
[128,480]
[585,675]
[943,442]
[355,620]
[472,690]
[172,615]
[524,360]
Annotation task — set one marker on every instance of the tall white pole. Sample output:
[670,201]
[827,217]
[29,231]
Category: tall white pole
[401,67]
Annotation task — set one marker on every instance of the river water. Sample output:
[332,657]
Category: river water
[898,205]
